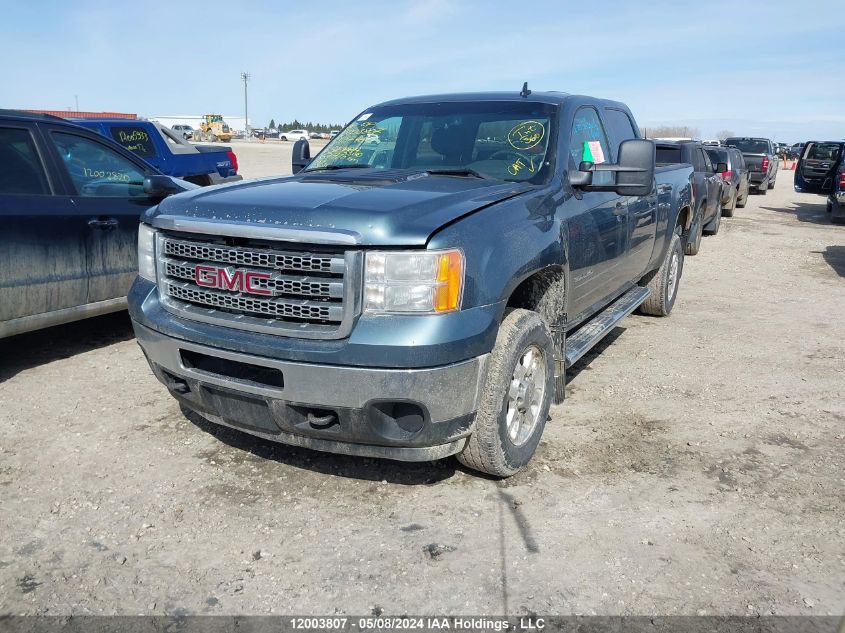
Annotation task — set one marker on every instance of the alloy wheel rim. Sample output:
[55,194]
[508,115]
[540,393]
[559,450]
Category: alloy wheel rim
[672,280]
[526,393]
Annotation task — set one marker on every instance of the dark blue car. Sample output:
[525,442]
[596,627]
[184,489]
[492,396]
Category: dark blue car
[70,201]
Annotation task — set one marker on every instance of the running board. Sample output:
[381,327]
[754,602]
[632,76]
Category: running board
[583,340]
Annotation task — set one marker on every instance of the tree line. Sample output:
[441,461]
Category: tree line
[680,131]
[296,124]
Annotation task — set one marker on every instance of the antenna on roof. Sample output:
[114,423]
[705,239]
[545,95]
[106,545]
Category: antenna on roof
[525,91]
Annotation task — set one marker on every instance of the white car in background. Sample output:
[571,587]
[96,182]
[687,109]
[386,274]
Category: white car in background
[294,135]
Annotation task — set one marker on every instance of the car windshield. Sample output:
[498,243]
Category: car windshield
[824,151]
[749,145]
[505,140]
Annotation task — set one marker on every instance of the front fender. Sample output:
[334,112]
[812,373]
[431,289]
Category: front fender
[505,244]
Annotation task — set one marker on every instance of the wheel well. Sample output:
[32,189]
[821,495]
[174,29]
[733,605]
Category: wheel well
[543,292]
[685,218]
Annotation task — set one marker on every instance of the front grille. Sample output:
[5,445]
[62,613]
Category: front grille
[260,287]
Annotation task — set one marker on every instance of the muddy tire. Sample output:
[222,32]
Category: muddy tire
[664,282]
[716,222]
[516,398]
[728,211]
[693,244]
[741,202]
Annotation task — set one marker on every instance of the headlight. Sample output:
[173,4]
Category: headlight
[147,252]
[428,282]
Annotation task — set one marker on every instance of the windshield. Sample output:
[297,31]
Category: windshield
[499,140]
[749,145]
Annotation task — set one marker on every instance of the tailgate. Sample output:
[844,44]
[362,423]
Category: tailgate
[754,162]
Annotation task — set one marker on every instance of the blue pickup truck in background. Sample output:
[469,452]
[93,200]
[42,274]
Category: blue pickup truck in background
[168,152]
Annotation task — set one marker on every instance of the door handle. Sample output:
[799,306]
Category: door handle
[620,209]
[104,224]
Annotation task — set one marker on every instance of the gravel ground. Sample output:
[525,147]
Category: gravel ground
[695,468]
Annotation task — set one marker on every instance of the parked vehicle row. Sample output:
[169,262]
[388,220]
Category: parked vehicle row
[416,290]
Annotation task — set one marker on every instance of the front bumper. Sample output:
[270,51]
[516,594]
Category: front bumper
[404,414]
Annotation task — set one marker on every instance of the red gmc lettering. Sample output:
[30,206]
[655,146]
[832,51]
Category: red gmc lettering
[226,279]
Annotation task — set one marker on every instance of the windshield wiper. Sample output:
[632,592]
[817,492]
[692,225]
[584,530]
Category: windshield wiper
[334,167]
[461,171]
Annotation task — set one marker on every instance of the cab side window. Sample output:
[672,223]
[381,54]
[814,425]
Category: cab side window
[97,170]
[22,171]
[588,142]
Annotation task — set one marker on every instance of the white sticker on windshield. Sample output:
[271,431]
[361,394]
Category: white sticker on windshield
[365,116]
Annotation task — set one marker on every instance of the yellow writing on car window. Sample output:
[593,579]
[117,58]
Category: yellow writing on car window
[135,135]
[516,166]
[526,135]
[345,153]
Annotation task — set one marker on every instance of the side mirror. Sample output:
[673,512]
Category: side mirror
[634,171]
[161,186]
[301,156]
[721,167]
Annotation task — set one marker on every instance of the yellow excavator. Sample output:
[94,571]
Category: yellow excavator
[213,128]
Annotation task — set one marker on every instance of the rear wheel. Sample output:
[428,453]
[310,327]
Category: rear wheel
[516,399]
[716,222]
[740,202]
[728,211]
[772,184]
[664,282]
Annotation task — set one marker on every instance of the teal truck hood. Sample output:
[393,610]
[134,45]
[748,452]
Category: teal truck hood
[371,208]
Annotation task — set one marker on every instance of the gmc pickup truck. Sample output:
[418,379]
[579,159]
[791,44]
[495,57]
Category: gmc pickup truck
[760,159]
[168,152]
[418,289]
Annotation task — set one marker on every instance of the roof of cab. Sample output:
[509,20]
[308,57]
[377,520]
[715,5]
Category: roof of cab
[552,97]
[22,115]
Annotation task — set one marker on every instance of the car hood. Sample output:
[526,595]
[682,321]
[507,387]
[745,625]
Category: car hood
[368,207]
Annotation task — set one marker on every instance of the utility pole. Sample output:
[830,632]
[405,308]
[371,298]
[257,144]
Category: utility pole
[76,98]
[245,77]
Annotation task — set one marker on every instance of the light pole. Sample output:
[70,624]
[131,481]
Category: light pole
[245,77]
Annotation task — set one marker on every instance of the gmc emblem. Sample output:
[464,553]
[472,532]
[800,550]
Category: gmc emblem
[227,278]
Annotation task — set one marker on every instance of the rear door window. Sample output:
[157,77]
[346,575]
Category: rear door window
[619,128]
[97,170]
[134,138]
[22,171]
[706,165]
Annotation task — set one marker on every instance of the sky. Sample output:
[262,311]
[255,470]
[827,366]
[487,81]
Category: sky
[771,68]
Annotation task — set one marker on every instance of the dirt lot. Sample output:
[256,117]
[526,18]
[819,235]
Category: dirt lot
[696,467]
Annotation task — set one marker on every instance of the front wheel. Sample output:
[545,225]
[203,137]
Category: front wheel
[517,395]
[664,282]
